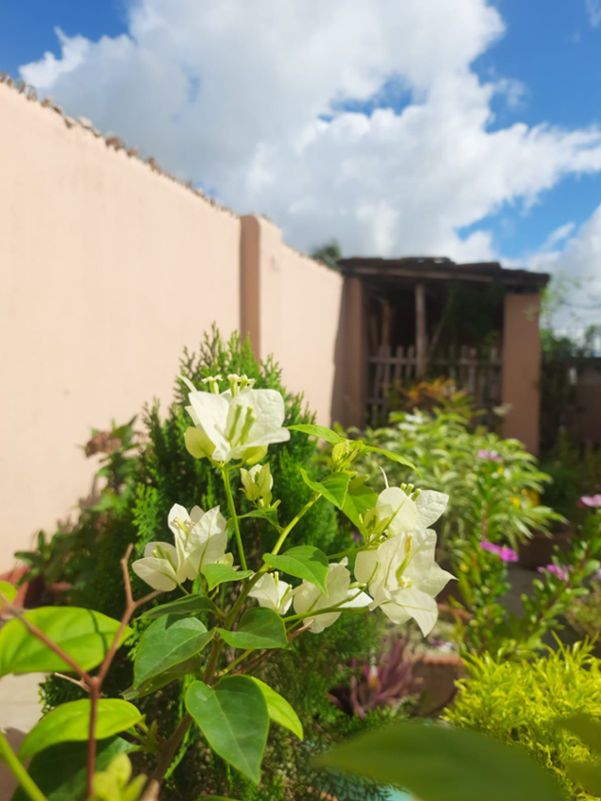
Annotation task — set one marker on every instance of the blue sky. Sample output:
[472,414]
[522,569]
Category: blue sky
[178,87]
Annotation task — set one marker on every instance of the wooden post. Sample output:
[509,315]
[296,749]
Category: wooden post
[421,343]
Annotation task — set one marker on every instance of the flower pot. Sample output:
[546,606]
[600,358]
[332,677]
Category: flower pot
[537,551]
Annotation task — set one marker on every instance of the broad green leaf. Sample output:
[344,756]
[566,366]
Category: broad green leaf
[587,775]
[188,605]
[233,717]
[394,457]
[279,710]
[334,487]
[60,771]
[439,763]
[70,723]
[83,634]
[321,432]
[270,515]
[258,628]
[166,643]
[222,574]
[586,728]
[302,561]
[8,592]
[359,499]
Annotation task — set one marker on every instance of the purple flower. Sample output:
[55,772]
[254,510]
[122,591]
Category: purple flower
[490,456]
[557,570]
[592,501]
[502,551]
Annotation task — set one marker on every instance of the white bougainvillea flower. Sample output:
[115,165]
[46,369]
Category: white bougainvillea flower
[310,598]
[161,566]
[273,593]
[401,512]
[200,539]
[402,576]
[236,424]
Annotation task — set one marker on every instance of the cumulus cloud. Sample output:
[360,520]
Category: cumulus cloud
[573,257]
[263,103]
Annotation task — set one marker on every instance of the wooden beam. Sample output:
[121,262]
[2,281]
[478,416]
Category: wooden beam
[421,342]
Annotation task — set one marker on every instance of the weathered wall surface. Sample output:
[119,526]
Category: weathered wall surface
[293,307]
[107,270]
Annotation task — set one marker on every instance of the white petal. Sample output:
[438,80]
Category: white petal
[435,580]
[357,601]
[158,573]
[321,622]
[365,565]
[211,416]
[430,506]
[394,504]
[305,597]
[421,607]
[177,513]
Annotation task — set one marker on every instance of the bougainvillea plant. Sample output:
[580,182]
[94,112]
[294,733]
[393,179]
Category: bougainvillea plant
[232,610]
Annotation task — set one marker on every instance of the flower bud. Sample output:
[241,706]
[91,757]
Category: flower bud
[257,484]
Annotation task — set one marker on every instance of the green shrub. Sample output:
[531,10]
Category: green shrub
[520,702]
[145,474]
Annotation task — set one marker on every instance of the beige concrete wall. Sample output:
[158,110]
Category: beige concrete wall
[521,368]
[107,269]
[298,317]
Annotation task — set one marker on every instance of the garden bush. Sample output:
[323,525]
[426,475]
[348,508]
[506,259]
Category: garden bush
[523,702]
[144,467]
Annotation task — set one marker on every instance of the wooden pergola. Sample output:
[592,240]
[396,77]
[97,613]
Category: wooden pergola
[425,277]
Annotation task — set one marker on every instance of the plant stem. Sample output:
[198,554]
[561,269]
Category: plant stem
[234,515]
[19,772]
[285,531]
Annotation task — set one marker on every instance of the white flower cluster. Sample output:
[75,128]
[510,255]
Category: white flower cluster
[200,539]
[396,571]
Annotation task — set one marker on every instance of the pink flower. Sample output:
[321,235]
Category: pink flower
[557,570]
[592,501]
[502,551]
[491,456]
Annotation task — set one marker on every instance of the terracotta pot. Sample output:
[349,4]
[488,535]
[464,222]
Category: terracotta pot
[537,552]
[438,673]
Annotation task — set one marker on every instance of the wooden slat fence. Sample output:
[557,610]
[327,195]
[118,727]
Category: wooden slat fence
[478,374]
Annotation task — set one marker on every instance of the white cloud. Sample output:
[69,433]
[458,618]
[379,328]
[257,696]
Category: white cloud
[248,98]
[576,267]
[593,8]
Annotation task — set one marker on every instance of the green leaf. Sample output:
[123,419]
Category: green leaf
[167,643]
[70,723]
[270,515]
[258,628]
[586,728]
[587,775]
[279,710]
[394,457]
[222,574]
[8,592]
[321,432]
[60,771]
[233,717]
[302,561]
[439,763]
[358,500]
[83,634]
[334,487]
[188,605]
